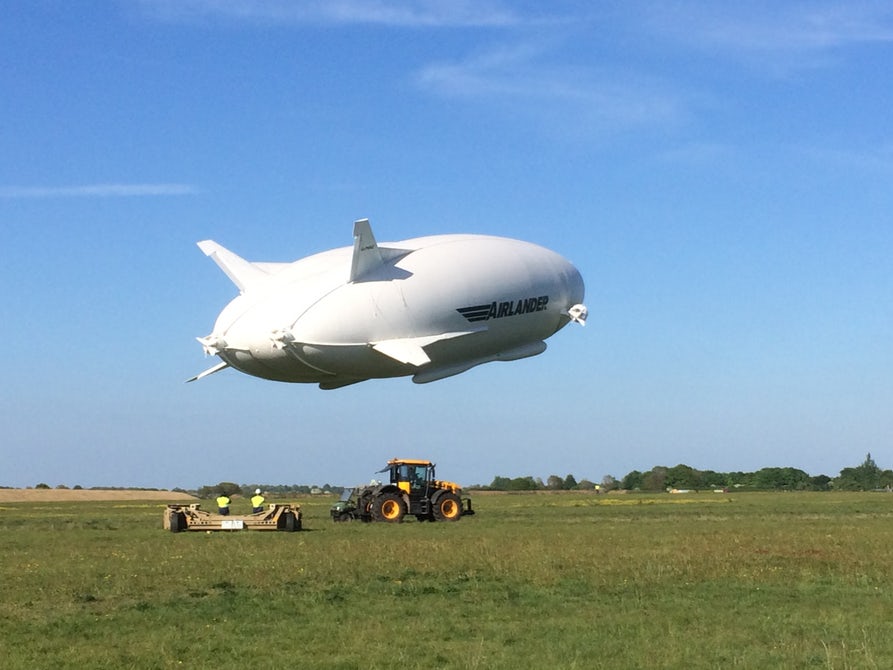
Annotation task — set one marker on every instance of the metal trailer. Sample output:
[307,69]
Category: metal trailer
[277,516]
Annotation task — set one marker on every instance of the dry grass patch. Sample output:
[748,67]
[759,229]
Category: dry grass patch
[88,495]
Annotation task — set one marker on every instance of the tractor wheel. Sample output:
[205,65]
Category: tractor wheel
[287,522]
[448,507]
[388,507]
[176,521]
[364,503]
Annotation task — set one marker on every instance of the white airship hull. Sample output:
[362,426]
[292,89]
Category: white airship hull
[429,307]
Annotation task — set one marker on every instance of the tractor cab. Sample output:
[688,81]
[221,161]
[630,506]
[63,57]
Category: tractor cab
[412,477]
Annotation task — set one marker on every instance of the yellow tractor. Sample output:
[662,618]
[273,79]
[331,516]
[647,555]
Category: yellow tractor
[412,489]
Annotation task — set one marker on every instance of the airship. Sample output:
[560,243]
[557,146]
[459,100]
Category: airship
[430,307]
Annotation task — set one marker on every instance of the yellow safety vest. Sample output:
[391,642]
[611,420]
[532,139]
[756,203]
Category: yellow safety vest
[222,501]
[257,501]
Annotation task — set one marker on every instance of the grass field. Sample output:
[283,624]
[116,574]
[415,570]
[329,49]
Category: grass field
[798,580]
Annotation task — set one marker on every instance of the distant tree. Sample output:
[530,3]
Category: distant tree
[780,479]
[500,483]
[655,479]
[524,484]
[569,483]
[61,487]
[683,477]
[733,478]
[609,483]
[865,477]
[227,489]
[554,483]
[585,485]
[632,481]
[712,480]
[820,483]
[42,486]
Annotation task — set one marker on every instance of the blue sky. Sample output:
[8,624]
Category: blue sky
[722,176]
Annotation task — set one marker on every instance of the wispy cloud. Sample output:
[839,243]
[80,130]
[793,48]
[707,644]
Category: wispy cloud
[775,28]
[96,191]
[396,13]
[573,96]
[699,153]
[876,160]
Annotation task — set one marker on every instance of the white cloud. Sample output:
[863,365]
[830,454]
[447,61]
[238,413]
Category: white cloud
[699,153]
[876,160]
[398,13]
[96,191]
[773,28]
[593,97]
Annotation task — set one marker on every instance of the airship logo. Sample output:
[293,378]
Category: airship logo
[370,312]
[497,310]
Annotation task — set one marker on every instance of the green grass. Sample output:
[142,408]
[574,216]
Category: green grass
[797,580]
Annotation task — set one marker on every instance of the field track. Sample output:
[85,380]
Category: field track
[87,495]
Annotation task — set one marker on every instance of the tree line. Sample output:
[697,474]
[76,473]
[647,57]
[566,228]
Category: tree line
[864,477]
[276,490]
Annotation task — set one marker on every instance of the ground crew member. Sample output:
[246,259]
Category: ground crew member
[257,501]
[223,504]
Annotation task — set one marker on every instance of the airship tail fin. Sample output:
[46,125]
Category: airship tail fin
[404,351]
[411,350]
[241,272]
[367,255]
[427,375]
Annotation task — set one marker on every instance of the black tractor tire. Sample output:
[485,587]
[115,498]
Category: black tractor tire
[447,507]
[364,503]
[176,521]
[288,522]
[388,507]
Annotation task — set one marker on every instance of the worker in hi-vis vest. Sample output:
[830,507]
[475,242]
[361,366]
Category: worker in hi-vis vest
[257,501]
[223,504]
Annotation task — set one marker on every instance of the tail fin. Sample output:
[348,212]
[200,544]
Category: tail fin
[242,273]
[367,255]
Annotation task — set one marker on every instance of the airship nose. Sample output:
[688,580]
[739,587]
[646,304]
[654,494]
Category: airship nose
[578,314]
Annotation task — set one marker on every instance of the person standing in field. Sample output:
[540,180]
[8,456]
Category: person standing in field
[257,501]
[223,502]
